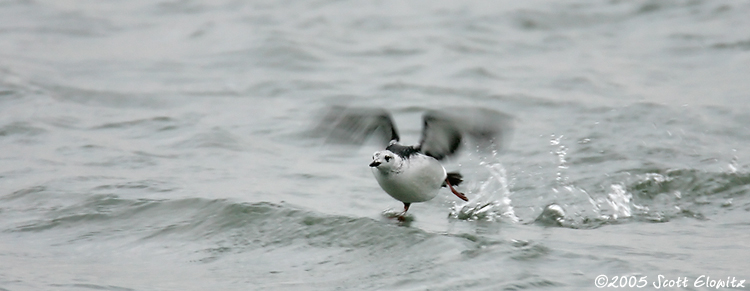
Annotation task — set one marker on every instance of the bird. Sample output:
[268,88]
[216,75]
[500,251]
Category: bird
[414,173]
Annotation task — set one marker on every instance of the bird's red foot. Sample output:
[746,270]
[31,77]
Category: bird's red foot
[402,217]
[460,195]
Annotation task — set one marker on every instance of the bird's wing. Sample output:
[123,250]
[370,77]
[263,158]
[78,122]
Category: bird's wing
[444,132]
[351,125]
[440,135]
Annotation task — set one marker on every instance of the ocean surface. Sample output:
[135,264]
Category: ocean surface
[166,145]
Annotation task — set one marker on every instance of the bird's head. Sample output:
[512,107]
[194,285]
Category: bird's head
[386,161]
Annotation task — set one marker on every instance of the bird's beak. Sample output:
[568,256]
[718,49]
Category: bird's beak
[374,164]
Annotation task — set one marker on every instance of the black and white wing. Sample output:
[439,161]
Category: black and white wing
[444,132]
[351,125]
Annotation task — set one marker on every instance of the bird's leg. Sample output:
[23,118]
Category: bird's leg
[402,216]
[459,194]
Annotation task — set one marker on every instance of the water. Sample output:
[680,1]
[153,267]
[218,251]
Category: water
[165,146]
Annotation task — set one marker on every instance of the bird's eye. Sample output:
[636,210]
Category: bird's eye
[388,158]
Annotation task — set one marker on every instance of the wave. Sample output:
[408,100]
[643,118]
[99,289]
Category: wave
[237,225]
[276,240]
[20,128]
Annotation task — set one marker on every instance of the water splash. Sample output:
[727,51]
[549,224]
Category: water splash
[564,190]
[560,152]
[619,202]
[575,212]
[552,215]
[492,200]
[734,162]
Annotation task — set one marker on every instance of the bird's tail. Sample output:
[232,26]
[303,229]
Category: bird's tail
[454,178]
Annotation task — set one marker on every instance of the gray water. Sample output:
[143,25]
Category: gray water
[150,145]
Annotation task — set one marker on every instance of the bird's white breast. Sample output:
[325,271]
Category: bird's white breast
[418,179]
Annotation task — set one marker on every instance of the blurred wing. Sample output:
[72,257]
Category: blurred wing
[444,132]
[440,135]
[355,125]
